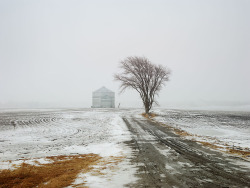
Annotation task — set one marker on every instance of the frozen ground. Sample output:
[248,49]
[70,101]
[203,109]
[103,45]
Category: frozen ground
[228,129]
[36,134]
[166,159]
[143,152]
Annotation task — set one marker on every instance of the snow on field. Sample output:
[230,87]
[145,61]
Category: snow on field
[230,129]
[36,134]
[33,135]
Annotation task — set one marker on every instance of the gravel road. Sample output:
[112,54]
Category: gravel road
[165,159]
[159,157]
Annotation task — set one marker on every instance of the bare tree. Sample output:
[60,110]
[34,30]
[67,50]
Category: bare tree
[146,78]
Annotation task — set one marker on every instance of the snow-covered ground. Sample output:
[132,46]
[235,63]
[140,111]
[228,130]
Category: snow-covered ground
[33,135]
[36,134]
[227,129]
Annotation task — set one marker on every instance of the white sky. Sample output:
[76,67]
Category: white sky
[55,53]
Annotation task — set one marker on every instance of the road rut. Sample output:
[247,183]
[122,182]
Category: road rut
[165,159]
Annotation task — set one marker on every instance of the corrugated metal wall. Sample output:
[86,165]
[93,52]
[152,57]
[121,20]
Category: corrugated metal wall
[103,98]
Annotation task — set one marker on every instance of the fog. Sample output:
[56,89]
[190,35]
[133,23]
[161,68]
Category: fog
[55,53]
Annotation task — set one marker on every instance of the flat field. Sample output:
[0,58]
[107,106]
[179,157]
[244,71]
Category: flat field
[175,148]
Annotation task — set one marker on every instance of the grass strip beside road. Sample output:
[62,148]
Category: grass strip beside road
[230,150]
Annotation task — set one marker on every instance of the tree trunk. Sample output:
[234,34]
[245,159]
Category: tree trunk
[146,105]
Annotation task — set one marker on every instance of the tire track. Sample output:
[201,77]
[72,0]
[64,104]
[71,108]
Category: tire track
[208,169]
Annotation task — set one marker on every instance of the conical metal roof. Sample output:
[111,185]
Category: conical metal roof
[103,90]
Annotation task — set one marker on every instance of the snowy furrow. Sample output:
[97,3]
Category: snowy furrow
[227,128]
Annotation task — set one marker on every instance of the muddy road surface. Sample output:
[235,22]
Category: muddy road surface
[165,159]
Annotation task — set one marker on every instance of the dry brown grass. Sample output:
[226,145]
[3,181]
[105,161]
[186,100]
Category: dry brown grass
[241,153]
[149,115]
[181,132]
[175,130]
[238,152]
[207,144]
[60,173]
[109,163]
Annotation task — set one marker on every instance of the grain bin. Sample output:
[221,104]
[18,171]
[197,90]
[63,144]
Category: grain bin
[103,98]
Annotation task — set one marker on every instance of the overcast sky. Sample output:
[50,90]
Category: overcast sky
[54,53]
